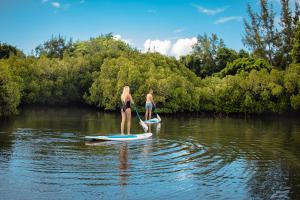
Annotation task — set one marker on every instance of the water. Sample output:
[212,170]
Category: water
[43,156]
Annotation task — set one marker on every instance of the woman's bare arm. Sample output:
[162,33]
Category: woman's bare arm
[131,99]
[151,98]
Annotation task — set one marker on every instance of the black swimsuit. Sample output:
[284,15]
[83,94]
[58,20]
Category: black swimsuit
[126,105]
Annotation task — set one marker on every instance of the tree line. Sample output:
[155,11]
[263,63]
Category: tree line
[213,78]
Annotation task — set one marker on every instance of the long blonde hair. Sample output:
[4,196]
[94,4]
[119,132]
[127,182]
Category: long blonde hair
[125,93]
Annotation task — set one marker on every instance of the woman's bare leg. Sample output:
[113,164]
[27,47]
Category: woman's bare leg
[128,116]
[150,114]
[123,121]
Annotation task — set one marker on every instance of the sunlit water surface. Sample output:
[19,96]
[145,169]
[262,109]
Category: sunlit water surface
[43,155]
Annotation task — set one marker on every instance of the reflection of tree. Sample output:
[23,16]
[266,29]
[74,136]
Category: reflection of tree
[6,139]
[276,172]
[123,157]
[269,148]
[274,180]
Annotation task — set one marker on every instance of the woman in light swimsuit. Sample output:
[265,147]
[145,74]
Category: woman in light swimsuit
[127,100]
[149,105]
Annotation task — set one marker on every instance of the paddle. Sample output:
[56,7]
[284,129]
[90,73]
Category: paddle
[154,110]
[145,127]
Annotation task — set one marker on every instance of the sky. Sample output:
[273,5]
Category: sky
[167,26]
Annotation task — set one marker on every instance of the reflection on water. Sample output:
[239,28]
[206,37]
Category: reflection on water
[42,152]
[156,126]
[123,157]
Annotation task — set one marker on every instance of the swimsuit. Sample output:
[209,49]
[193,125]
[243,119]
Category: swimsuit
[126,105]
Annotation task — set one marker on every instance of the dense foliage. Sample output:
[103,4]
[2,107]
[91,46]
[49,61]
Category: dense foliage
[244,65]
[54,48]
[9,91]
[213,78]
[254,92]
[174,84]
[210,56]
[7,50]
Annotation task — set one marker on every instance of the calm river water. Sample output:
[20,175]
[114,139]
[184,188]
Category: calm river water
[43,155]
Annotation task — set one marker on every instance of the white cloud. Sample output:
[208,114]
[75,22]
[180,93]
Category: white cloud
[179,30]
[183,47]
[207,11]
[223,20]
[179,48]
[119,37]
[55,4]
[160,46]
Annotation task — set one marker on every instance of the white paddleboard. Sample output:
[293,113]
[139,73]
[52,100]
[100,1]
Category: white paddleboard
[152,121]
[120,137]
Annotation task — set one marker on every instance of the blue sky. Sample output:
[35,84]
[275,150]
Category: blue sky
[27,24]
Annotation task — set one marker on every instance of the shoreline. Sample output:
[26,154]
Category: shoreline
[206,114]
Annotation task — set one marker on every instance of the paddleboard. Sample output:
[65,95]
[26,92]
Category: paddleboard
[120,137]
[152,121]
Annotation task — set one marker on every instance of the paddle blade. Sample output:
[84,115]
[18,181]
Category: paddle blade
[145,127]
[158,117]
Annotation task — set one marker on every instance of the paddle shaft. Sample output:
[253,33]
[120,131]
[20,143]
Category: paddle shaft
[145,127]
[154,110]
[137,113]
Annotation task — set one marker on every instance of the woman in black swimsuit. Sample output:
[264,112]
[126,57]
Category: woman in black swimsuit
[127,100]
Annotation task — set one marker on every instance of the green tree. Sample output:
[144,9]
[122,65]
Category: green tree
[292,84]
[297,14]
[204,59]
[207,47]
[224,56]
[252,37]
[7,50]
[9,91]
[245,65]
[270,34]
[296,45]
[286,33]
[195,64]
[243,54]
[260,34]
[55,47]
[96,70]
[173,84]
